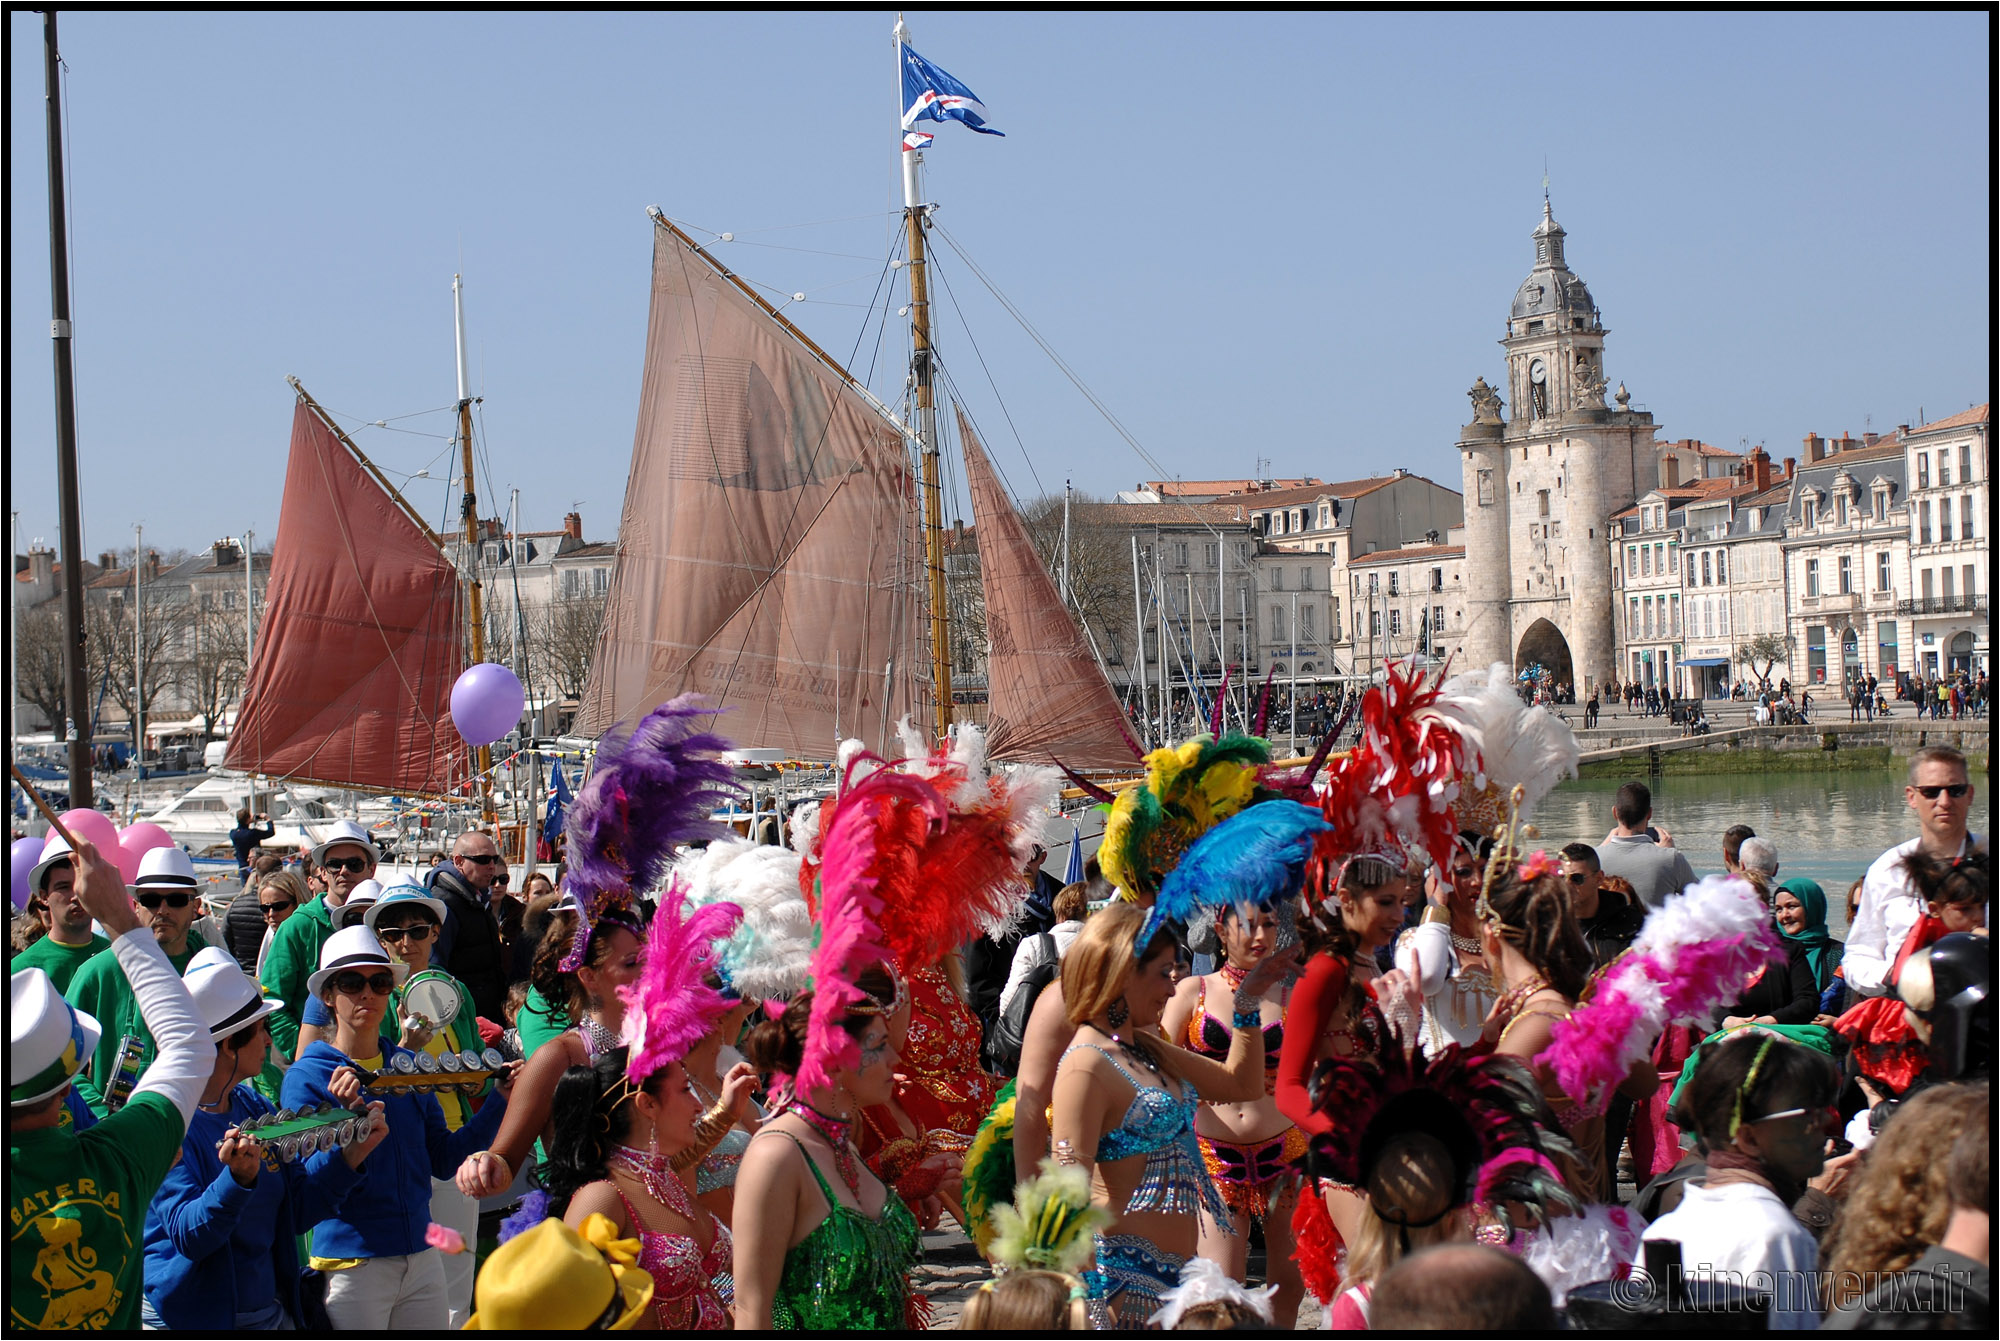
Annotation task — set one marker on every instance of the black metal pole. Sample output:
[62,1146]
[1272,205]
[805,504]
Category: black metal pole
[76,674]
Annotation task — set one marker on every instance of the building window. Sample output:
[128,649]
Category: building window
[1374,583]
[1885,647]
[1944,520]
[1334,624]
[1812,577]
[1882,571]
[1673,561]
[1707,573]
[1816,653]
[1965,517]
[1811,513]
[1631,560]
[600,581]
[1277,623]
[1541,502]
[1722,568]
[1208,555]
[1306,623]
[1395,623]
[1437,619]
[1674,602]
[1374,623]
[1846,575]
[1928,592]
[1722,613]
[1946,579]
[1944,468]
[1924,522]
[1923,470]
[1646,560]
[1182,551]
[1968,571]
[1840,509]
[1964,463]
[1881,505]
[1277,579]
[229,600]
[1395,586]
[1632,619]
[1486,488]
[1437,574]
[1649,617]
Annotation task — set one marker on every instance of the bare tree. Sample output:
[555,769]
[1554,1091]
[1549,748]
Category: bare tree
[40,656]
[1100,566]
[563,640]
[211,674]
[164,638]
[1768,648]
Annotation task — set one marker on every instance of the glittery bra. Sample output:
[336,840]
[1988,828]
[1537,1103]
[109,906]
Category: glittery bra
[1160,1127]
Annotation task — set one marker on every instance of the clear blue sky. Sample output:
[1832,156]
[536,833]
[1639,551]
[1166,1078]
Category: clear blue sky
[1292,237]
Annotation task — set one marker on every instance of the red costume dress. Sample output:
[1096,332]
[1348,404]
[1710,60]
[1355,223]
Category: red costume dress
[1886,1049]
[941,1093]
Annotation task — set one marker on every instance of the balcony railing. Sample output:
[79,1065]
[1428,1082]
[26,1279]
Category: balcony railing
[1943,605]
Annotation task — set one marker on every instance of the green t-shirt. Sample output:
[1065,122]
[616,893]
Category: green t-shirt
[77,1213]
[539,1021]
[57,960]
[100,990]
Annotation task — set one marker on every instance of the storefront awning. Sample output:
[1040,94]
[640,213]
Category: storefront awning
[1705,661]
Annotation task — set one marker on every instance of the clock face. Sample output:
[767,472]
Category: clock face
[1538,371]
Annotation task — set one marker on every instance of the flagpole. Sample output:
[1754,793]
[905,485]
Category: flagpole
[921,380]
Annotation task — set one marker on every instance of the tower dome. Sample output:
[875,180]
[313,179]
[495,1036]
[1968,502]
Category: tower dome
[1551,290]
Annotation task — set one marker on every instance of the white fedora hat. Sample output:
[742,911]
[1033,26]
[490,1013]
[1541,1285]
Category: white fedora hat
[345,831]
[48,1042]
[348,948]
[54,850]
[165,868]
[226,998]
[359,900]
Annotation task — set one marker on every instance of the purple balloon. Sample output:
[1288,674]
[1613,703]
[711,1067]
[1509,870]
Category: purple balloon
[21,859]
[486,703]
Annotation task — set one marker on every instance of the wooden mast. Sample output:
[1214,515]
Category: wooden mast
[922,369]
[468,508]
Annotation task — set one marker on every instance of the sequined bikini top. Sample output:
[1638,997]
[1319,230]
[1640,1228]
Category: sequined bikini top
[1210,1036]
[1160,1127]
[850,1273]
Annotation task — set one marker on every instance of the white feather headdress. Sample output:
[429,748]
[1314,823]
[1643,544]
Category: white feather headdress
[1510,744]
[767,955]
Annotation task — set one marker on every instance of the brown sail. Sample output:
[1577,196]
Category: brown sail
[360,642]
[1046,696]
[768,554]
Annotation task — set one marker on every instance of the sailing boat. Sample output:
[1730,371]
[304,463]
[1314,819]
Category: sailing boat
[781,545]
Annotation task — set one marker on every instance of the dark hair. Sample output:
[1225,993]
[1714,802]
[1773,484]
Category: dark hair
[1096,884]
[1583,854]
[1732,841]
[1475,844]
[778,1046]
[1722,1089]
[266,864]
[1633,804]
[1967,880]
[243,817]
[586,1125]
[1534,917]
[560,987]
[240,1040]
[1968,1171]
[1461,1287]
[1072,904]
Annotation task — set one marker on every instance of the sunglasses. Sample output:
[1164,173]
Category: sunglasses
[151,901]
[352,865]
[278,907]
[1579,877]
[353,984]
[1952,789]
[485,859]
[422,931]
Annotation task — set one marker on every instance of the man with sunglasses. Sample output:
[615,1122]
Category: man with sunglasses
[165,893]
[345,857]
[468,945]
[68,942]
[1940,792]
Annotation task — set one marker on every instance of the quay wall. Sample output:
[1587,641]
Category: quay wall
[1782,749]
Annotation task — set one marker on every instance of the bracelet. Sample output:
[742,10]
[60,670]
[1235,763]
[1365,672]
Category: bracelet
[1433,913]
[709,1129]
[1248,1011]
[494,1154]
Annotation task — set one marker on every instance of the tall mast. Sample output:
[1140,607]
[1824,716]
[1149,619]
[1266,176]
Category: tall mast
[469,511]
[1139,649]
[138,653]
[76,666]
[921,382]
[249,604]
[1065,563]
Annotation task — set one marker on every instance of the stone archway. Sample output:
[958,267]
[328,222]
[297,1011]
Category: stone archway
[1543,645]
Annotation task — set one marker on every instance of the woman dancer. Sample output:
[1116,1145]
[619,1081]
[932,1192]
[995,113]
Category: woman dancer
[1251,1149]
[1444,955]
[917,1141]
[709,1075]
[821,1243]
[1125,1100]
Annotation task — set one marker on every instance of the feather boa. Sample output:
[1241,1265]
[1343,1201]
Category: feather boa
[768,954]
[1256,857]
[1571,1251]
[1691,958]
[1508,744]
[534,1209]
[657,787]
[1319,1251]
[670,1009]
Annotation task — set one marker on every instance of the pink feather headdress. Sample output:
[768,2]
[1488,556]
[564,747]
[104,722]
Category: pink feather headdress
[670,1009]
[1691,958]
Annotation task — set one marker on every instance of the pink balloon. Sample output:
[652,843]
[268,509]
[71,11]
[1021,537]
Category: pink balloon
[128,861]
[135,842]
[96,828]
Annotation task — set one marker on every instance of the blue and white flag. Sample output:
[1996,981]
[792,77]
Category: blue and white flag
[929,94]
[917,139]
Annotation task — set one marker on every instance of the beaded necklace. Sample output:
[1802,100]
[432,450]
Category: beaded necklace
[657,1179]
[1233,976]
[1512,1000]
[834,1131]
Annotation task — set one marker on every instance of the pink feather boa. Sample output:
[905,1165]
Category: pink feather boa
[1692,958]
[670,1009]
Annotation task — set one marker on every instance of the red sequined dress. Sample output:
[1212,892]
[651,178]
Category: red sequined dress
[1886,1049]
[941,1097]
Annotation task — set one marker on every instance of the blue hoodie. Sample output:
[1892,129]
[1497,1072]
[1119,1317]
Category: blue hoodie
[387,1214]
[214,1248]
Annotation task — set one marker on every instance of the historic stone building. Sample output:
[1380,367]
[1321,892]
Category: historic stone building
[1542,481]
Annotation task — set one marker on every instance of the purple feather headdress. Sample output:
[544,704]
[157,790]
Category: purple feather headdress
[670,1009]
[657,787]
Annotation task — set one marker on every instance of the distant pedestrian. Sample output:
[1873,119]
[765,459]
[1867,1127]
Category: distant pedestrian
[1732,844]
[1641,852]
[1590,711]
[246,836]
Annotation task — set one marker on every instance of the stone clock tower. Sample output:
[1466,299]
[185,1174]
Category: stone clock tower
[1543,472]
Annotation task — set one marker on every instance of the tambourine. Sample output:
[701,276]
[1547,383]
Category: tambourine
[292,1135]
[430,1003]
[126,1064]
[466,1072]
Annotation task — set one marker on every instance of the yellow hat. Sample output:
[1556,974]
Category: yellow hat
[554,1279]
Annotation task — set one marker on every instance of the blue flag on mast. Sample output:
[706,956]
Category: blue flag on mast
[929,94]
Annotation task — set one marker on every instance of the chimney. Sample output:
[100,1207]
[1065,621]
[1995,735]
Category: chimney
[1791,464]
[1813,444]
[1758,468]
[1670,471]
[108,560]
[1846,443]
[152,564]
[224,552]
[573,525]
[42,566]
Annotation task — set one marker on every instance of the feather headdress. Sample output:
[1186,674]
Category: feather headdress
[1508,744]
[670,1009]
[1050,1223]
[1487,1111]
[1394,790]
[1203,1281]
[767,956]
[655,788]
[1189,789]
[1254,858]
[1690,959]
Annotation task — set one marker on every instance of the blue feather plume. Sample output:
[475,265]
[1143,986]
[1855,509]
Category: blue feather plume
[1254,857]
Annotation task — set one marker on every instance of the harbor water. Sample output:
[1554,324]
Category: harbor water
[1828,826]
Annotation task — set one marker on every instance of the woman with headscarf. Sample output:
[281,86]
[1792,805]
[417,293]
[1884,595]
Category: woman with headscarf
[1800,907]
